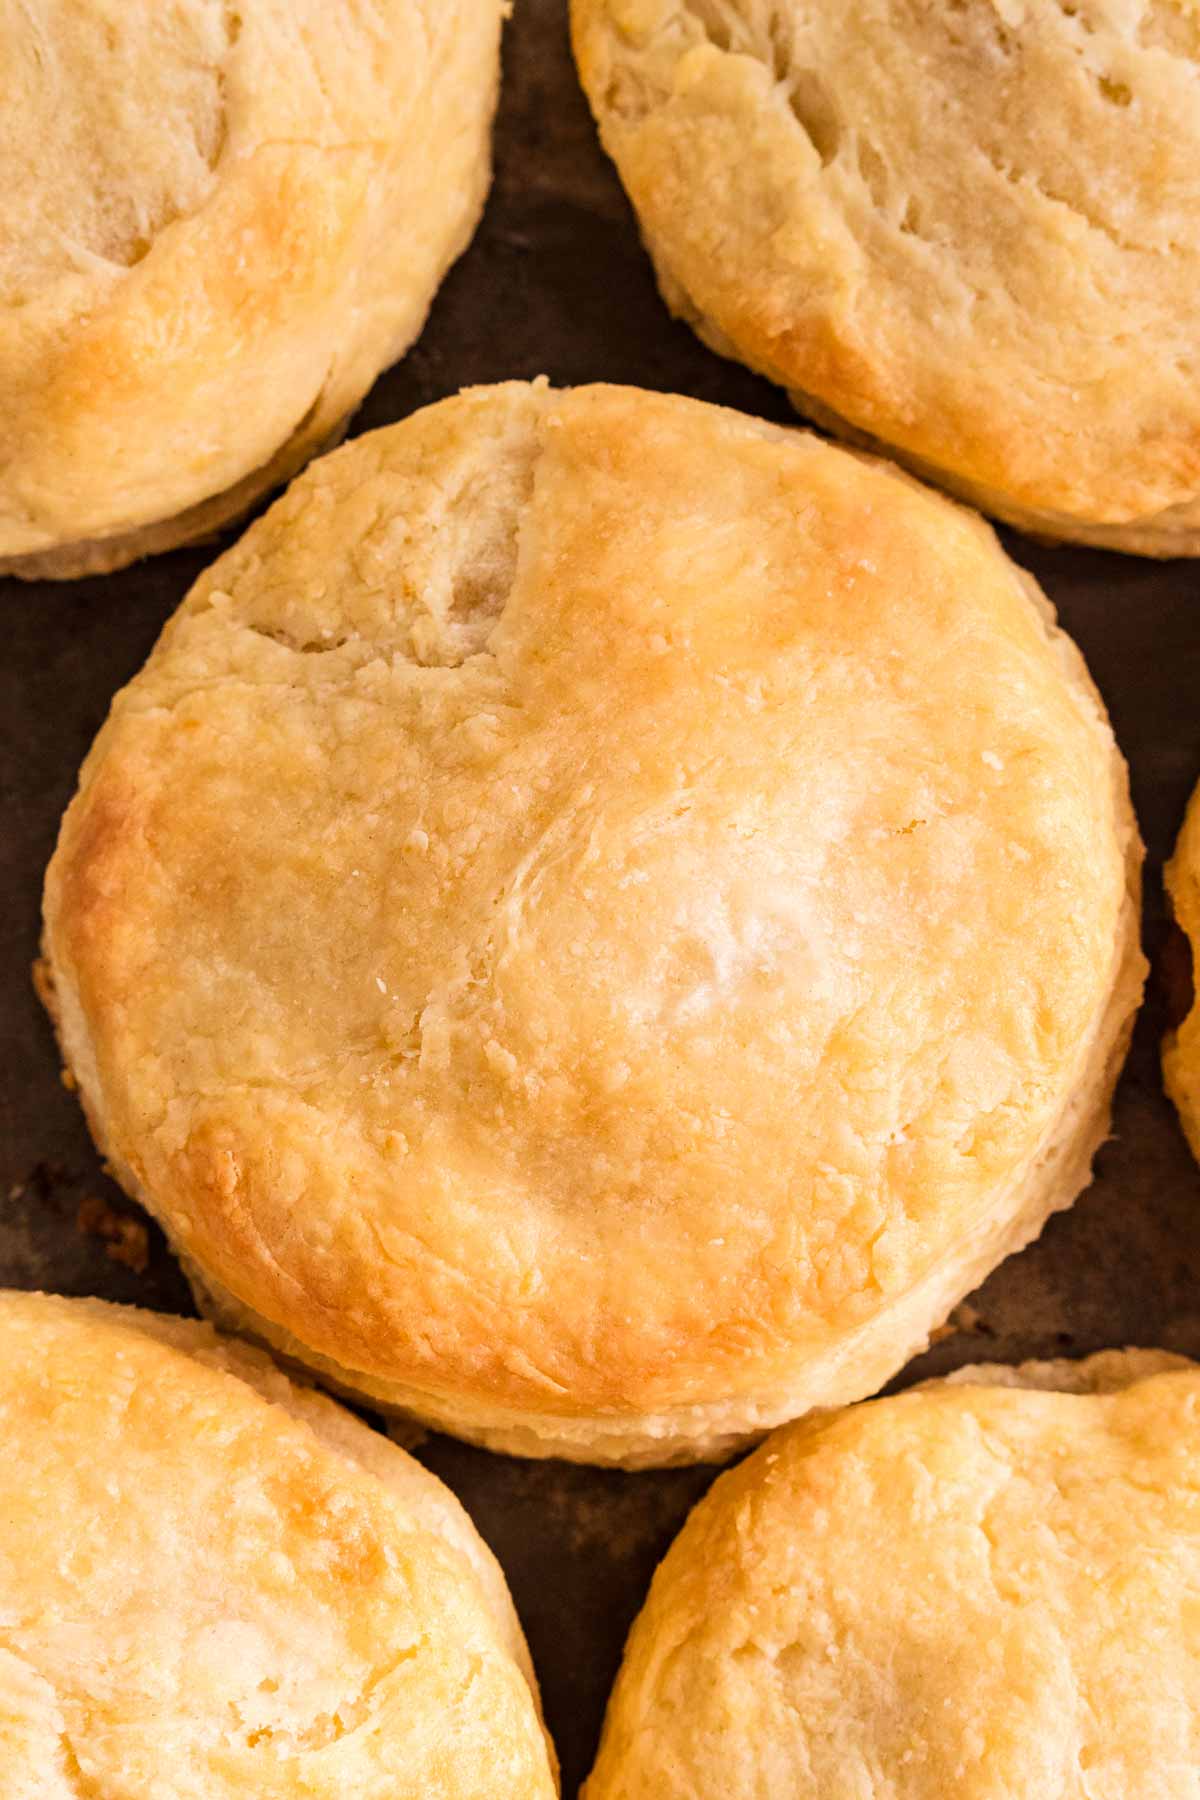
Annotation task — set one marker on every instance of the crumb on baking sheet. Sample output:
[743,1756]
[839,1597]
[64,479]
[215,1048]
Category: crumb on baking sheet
[963,1320]
[126,1239]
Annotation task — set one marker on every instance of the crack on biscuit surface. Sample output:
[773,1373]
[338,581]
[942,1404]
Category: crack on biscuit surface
[423,571]
[721,26]
[815,112]
[1035,182]
[472,550]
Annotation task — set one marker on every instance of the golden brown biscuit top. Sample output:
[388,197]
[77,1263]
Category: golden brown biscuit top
[971,229]
[216,223]
[591,899]
[203,1596]
[967,1591]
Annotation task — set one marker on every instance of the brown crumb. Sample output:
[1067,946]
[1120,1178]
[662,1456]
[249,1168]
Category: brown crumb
[68,1080]
[126,1239]
[963,1321]
[966,1318]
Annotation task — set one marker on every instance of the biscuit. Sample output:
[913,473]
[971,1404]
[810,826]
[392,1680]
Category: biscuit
[217,225]
[600,921]
[981,1588]
[969,231]
[215,1583]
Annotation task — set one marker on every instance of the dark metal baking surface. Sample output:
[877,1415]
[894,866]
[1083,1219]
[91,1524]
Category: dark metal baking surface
[556,283]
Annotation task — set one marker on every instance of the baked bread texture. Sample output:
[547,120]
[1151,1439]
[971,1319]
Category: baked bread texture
[969,231]
[980,1589]
[218,223]
[1181,1047]
[216,1584]
[600,921]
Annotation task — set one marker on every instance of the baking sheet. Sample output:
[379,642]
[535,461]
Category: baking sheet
[556,283]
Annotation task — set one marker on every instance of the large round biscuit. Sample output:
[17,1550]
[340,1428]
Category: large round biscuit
[600,920]
[969,230]
[217,224]
[215,1585]
[983,1589]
